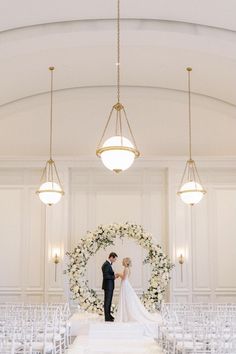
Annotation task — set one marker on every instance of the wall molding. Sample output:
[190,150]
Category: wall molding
[146,194]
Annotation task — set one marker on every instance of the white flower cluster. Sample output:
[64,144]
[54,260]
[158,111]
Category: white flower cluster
[103,237]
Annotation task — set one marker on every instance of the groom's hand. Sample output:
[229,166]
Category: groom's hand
[116,276]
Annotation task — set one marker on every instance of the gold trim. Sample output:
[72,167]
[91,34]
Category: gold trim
[118,106]
[181,259]
[99,151]
[49,191]
[192,191]
[50,175]
[117,170]
[56,259]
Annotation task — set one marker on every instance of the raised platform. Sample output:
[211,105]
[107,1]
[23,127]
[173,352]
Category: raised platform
[94,326]
[81,321]
[143,345]
[93,335]
[118,331]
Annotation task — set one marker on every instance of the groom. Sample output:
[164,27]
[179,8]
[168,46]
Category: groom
[108,285]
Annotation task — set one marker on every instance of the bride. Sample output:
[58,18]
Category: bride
[130,308]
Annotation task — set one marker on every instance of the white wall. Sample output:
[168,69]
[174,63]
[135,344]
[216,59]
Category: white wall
[206,235]
[27,232]
[99,197]
[146,194]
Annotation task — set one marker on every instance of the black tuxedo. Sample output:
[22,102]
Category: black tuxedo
[108,286]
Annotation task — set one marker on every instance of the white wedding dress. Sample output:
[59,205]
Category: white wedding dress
[130,308]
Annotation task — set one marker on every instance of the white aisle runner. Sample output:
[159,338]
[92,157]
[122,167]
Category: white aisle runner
[112,338]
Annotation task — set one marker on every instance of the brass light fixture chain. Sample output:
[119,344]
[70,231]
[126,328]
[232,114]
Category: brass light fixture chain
[50,191]
[191,189]
[118,51]
[51,68]
[58,178]
[185,170]
[49,171]
[52,172]
[118,109]
[199,177]
[130,130]
[190,114]
[121,130]
[117,122]
[106,126]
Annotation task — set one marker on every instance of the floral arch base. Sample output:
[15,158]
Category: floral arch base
[103,237]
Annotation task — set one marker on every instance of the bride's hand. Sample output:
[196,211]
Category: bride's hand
[117,276]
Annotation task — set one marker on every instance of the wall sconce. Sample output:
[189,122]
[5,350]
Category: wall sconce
[56,259]
[181,262]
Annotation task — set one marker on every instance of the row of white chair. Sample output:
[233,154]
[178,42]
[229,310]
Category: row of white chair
[34,329]
[198,328]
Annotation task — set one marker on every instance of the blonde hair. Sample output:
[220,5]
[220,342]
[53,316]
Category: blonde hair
[127,262]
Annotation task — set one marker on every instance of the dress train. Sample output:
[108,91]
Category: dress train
[130,309]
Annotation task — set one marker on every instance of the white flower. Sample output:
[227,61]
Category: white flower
[102,236]
[154,282]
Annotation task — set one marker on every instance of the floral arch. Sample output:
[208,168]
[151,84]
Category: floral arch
[103,237]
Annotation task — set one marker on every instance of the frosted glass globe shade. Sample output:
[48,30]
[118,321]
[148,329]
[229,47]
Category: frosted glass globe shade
[52,194]
[191,193]
[118,159]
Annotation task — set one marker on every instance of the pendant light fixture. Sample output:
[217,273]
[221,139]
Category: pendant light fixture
[117,151]
[50,190]
[191,190]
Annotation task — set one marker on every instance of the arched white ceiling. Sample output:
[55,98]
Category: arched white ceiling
[159,39]
[216,13]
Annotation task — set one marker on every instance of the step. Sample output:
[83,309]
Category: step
[116,331]
[82,345]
